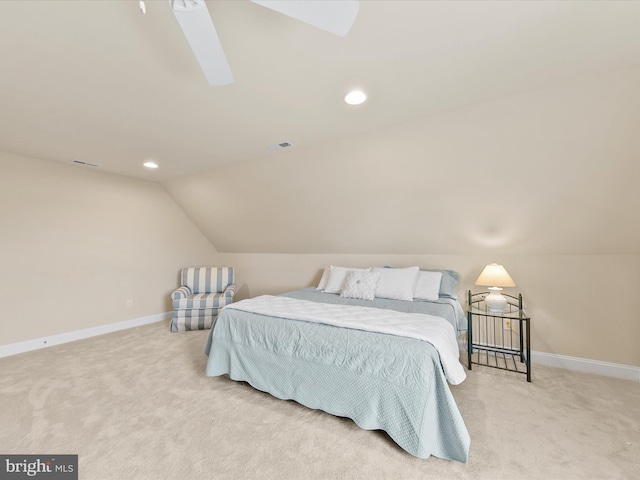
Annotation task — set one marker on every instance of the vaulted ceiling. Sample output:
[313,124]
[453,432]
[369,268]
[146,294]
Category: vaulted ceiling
[99,82]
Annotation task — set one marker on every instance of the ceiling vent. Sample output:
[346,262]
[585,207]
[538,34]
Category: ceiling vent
[280,146]
[86,164]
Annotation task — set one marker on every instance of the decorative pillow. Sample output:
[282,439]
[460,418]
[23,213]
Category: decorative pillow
[427,285]
[361,285]
[338,278]
[323,279]
[396,283]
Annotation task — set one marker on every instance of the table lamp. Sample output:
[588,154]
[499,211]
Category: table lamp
[495,277]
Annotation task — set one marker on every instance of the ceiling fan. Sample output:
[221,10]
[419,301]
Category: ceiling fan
[335,16]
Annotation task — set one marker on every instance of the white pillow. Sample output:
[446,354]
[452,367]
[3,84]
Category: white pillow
[427,285]
[396,283]
[323,279]
[361,285]
[338,278]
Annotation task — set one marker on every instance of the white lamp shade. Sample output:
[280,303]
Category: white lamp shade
[495,275]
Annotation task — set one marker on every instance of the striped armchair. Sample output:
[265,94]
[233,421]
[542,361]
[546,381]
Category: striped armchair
[204,291]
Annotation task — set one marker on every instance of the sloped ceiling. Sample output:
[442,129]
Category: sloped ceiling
[490,126]
[551,171]
[99,82]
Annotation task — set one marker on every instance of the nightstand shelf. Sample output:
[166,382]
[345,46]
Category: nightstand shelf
[498,340]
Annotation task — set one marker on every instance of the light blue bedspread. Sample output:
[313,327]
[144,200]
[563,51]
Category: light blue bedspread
[447,308]
[380,381]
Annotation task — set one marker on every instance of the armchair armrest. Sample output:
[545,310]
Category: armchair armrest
[182,292]
[229,292]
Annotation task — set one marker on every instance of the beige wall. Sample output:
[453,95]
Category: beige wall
[551,171]
[76,244]
[544,181]
[581,305]
[561,216]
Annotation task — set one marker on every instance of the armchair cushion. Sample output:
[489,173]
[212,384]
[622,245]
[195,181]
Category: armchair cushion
[202,300]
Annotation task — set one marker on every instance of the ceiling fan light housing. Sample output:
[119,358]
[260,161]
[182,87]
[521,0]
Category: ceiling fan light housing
[186,5]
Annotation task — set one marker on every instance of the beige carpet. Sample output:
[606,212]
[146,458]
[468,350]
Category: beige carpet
[136,405]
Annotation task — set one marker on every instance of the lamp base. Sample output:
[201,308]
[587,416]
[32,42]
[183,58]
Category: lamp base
[495,301]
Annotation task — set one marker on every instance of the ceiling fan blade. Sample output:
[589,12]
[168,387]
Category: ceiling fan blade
[335,16]
[193,16]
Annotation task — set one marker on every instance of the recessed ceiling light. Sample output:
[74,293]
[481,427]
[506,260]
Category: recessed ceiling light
[355,97]
[150,164]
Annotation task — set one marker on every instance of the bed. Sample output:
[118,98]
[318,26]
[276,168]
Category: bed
[318,349]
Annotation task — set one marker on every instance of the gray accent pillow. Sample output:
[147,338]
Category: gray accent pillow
[449,283]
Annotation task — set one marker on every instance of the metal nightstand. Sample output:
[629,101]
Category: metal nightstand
[498,340]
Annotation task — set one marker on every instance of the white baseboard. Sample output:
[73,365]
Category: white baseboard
[617,370]
[43,342]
